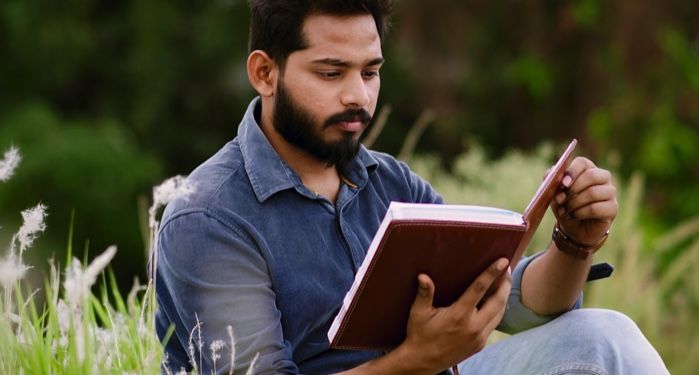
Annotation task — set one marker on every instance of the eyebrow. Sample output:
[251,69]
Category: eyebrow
[345,64]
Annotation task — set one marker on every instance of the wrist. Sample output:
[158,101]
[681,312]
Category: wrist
[566,244]
[409,360]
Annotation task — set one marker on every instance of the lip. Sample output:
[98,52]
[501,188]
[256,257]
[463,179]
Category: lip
[350,126]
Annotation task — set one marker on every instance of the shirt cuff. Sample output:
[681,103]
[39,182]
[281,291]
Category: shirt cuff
[518,317]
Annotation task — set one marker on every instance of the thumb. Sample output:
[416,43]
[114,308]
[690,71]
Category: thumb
[425,294]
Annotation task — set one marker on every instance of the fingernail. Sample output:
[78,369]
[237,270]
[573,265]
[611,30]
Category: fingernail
[561,211]
[567,180]
[422,287]
[501,264]
[560,197]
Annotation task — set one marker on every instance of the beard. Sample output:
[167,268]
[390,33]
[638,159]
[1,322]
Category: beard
[296,126]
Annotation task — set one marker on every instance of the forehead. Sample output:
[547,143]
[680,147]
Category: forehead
[345,38]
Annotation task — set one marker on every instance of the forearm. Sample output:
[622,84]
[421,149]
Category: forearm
[552,282]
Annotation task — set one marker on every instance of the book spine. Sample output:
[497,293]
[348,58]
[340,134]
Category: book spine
[334,330]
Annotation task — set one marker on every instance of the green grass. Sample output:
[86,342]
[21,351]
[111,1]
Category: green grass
[91,336]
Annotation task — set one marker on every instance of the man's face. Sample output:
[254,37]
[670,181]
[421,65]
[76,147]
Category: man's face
[327,93]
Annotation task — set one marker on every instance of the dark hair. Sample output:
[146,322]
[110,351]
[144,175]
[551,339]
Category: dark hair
[276,25]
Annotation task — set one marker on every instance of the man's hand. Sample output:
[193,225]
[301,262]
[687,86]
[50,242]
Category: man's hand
[438,338]
[586,205]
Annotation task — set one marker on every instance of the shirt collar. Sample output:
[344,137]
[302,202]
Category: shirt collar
[269,174]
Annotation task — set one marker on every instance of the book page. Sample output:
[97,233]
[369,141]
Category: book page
[461,213]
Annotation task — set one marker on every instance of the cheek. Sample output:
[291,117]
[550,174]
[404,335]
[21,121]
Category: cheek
[374,87]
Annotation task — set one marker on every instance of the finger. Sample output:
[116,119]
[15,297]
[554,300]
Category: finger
[494,308]
[425,295]
[606,210]
[475,292]
[595,193]
[590,177]
[576,168]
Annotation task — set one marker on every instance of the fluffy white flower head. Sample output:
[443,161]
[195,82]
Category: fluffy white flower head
[78,281]
[8,164]
[169,190]
[11,270]
[33,224]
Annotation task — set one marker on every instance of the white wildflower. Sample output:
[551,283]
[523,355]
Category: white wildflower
[214,348]
[200,342]
[230,336]
[11,270]
[169,190]
[105,339]
[252,364]
[8,164]
[64,315]
[78,281]
[190,346]
[79,341]
[165,364]
[33,224]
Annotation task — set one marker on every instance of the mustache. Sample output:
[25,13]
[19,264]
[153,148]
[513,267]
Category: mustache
[349,115]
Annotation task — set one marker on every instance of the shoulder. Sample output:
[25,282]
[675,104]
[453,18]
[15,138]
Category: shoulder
[220,179]
[387,165]
[397,175]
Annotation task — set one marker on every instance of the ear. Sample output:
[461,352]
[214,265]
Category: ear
[262,73]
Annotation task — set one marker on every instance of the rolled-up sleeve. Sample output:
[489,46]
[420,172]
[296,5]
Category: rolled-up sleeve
[518,317]
[212,276]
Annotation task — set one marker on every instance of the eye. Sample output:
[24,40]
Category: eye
[369,74]
[329,74]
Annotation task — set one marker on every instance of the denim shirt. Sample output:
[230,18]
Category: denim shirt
[256,260]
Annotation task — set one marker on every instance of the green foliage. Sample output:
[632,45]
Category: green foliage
[509,182]
[93,337]
[652,119]
[92,168]
[536,75]
[620,76]
[108,97]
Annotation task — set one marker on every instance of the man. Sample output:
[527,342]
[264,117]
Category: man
[267,247]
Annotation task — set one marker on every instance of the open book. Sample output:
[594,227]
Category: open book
[453,244]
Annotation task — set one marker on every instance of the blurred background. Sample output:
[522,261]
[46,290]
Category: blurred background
[105,99]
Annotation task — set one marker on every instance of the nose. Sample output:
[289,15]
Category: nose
[355,92]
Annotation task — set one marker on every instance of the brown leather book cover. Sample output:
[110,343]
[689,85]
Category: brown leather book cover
[452,244]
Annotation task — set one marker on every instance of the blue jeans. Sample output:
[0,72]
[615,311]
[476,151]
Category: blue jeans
[585,341]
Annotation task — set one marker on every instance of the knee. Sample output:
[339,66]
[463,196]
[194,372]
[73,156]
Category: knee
[595,324]
[609,339]
[604,334]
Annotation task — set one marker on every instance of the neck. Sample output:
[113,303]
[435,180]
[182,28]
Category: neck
[317,175]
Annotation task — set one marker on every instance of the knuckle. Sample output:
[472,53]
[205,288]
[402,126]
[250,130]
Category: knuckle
[494,271]
[456,320]
[584,162]
[479,286]
[599,192]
